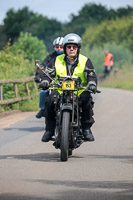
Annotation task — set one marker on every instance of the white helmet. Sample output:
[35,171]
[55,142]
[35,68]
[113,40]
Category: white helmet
[58,41]
[72,38]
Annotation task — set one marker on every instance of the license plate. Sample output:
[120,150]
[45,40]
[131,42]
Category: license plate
[68,85]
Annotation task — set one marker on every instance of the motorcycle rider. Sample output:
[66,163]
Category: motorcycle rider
[58,50]
[72,63]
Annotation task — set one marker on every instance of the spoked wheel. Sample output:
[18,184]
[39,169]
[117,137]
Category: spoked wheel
[65,135]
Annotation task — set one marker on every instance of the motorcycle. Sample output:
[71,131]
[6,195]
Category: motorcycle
[68,132]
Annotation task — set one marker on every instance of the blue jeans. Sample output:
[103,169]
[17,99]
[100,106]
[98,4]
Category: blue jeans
[43,95]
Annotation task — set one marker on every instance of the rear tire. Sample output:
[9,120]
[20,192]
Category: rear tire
[65,135]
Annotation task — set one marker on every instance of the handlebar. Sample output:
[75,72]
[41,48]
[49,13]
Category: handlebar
[61,78]
[97,91]
[79,88]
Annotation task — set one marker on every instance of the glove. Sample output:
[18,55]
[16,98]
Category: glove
[93,88]
[44,85]
[37,79]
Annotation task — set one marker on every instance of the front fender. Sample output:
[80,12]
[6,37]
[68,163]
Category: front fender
[66,106]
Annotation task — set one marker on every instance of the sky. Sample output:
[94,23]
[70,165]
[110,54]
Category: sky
[58,9]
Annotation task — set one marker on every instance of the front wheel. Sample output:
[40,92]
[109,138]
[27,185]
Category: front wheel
[70,152]
[65,135]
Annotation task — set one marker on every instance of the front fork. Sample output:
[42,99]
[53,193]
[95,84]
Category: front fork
[75,136]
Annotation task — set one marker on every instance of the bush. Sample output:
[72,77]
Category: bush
[113,31]
[31,47]
[122,55]
[14,66]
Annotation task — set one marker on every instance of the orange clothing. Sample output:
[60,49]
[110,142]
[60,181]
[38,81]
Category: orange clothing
[108,59]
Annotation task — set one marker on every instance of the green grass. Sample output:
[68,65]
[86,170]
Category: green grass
[29,105]
[123,79]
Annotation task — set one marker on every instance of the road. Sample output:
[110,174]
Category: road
[100,170]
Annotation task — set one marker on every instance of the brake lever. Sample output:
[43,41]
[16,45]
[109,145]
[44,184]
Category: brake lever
[98,91]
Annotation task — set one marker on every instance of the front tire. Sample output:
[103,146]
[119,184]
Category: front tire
[70,152]
[65,135]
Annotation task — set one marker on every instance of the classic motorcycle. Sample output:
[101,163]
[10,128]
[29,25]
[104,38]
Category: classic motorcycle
[68,132]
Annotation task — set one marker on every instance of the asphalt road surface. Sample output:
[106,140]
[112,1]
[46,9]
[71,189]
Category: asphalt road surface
[100,170]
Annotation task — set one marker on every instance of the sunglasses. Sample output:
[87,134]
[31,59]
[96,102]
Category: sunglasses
[71,46]
[59,46]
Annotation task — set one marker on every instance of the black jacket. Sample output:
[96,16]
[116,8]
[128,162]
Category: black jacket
[48,59]
[39,77]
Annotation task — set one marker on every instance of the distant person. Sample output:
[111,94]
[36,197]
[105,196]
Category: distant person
[58,50]
[108,64]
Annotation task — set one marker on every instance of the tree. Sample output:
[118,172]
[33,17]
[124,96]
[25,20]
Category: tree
[47,30]
[117,31]
[90,14]
[17,21]
[124,11]
[3,37]
[27,21]
[31,47]
[23,20]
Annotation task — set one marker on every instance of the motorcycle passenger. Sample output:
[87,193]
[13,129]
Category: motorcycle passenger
[58,50]
[72,63]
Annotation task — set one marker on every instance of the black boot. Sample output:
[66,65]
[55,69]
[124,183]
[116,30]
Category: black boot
[40,114]
[88,136]
[47,136]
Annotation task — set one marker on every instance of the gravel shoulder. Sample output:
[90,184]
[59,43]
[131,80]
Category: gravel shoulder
[8,118]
